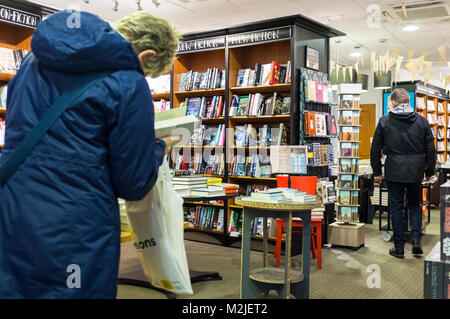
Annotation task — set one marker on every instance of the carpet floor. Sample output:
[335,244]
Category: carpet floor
[345,273]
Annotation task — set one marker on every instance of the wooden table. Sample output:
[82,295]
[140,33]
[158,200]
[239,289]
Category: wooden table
[261,280]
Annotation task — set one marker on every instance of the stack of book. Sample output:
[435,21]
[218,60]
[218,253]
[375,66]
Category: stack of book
[281,195]
[431,107]
[204,107]
[213,78]
[420,103]
[10,60]
[264,74]
[258,105]
[184,185]
[228,188]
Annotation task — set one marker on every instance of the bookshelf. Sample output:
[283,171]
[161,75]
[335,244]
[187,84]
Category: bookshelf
[426,100]
[347,183]
[15,36]
[282,40]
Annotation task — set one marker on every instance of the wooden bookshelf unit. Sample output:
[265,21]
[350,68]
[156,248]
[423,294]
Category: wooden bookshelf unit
[242,47]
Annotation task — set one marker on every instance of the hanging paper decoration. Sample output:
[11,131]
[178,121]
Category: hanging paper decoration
[412,66]
[356,68]
[331,65]
[442,54]
[427,78]
[428,65]
[420,64]
[404,8]
[398,63]
[425,52]
[410,53]
[395,51]
[362,60]
[350,70]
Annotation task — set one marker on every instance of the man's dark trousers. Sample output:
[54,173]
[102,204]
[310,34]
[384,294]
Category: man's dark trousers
[396,192]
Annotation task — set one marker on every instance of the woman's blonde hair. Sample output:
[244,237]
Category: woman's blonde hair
[146,32]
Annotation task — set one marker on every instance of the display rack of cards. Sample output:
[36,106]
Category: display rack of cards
[349,128]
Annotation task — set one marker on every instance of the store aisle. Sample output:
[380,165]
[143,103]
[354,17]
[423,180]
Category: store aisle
[344,274]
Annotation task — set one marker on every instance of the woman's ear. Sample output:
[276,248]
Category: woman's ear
[146,54]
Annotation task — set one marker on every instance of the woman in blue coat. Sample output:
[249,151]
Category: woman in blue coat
[59,216]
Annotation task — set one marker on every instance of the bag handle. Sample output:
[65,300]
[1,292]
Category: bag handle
[30,141]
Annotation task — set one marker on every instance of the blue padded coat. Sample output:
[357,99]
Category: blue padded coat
[60,207]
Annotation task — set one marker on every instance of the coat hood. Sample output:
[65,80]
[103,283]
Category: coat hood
[79,42]
[409,117]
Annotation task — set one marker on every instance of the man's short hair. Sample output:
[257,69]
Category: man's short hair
[146,32]
[400,96]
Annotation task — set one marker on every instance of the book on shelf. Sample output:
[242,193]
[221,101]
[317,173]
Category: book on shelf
[431,106]
[440,108]
[441,120]
[10,60]
[289,159]
[2,131]
[349,134]
[348,165]
[349,101]
[160,84]
[3,96]
[253,166]
[242,109]
[235,223]
[321,124]
[432,118]
[347,181]
[192,80]
[204,217]
[440,146]
[420,103]
[349,118]
[264,74]
[349,149]
[161,105]
[311,123]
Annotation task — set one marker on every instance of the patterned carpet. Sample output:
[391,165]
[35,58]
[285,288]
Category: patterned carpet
[345,273]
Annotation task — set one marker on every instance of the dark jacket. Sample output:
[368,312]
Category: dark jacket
[60,207]
[408,142]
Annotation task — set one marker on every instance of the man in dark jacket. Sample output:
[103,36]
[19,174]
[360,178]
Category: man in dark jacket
[406,139]
[59,215]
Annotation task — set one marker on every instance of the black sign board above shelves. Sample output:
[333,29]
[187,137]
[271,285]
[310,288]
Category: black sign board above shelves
[201,45]
[256,37]
[19,17]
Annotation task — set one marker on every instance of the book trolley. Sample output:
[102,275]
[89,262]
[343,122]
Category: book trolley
[347,231]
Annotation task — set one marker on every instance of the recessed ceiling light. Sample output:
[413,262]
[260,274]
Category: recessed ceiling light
[355,54]
[410,28]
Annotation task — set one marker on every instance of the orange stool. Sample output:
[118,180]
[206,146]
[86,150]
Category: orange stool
[316,239]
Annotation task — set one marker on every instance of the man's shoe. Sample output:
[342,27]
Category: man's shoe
[417,248]
[396,253]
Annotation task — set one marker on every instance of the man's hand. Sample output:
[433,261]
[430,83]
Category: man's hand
[377,180]
[170,140]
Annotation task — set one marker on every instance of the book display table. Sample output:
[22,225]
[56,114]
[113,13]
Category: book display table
[262,280]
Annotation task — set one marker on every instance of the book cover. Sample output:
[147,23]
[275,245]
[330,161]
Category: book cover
[240,135]
[345,213]
[344,197]
[246,77]
[243,105]
[319,92]
[265,74]
[274,73]
[312,123]
[317,156]
[286,105]
[277,104]
[283,69]
[257,74]
[240,77]
[333,126]
[197,79]
[193,106]
[311,90]
[345,165]
[320,124]
[252,135]
[268,106]
[234,105]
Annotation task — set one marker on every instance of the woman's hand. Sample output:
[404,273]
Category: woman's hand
[170,140]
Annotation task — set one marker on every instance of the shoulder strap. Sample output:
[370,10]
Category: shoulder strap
[50,116]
